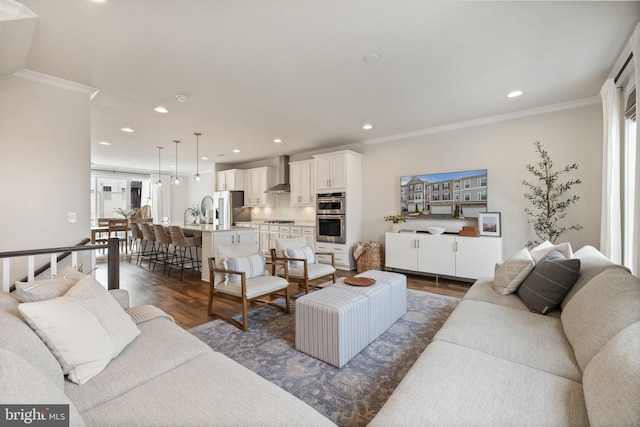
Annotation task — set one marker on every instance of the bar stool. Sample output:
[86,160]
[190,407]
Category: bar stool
[181,244]
[136,241]
[148,235]
[163,241]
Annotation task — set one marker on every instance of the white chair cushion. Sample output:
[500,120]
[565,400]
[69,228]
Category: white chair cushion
[252,266]
[256,286]
[223,252]
[303,253]
[295,243]
[545,247]
[314,270]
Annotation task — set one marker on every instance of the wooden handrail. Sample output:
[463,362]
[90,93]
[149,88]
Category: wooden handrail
[60,257]
[113,258]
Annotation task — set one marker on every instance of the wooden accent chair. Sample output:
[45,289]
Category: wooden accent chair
[304,268]
[238,273]
[144,212]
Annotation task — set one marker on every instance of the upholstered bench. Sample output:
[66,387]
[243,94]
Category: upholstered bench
[336,323]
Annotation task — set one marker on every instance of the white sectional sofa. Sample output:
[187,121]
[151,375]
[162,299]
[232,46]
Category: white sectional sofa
[164,377]
[495,363]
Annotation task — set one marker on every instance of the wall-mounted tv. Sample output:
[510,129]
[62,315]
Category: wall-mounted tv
[444,195]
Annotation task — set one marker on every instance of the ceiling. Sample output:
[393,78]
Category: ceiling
[255,70]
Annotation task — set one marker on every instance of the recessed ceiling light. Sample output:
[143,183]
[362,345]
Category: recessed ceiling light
[514,94]
[128,130]
[372,58]
[204,158]
[104,143]
[161,109]
[173,166]
[236,151]
[98,1]
[367,126]
[277,140]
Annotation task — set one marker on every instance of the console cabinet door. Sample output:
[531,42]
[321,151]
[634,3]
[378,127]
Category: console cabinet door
[436,254]
[401,251]
[477,256]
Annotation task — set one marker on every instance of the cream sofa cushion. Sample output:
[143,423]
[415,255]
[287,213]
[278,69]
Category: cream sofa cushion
[23,384]
[450,385]
[223,252]
[606,305]
[612,381]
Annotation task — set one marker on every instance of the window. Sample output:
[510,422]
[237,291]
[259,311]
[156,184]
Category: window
[419,187]
[446,196]
[435,198]
[467,197]
[482,196]
[467,183]
[482,182]
[436,187]
[445,186]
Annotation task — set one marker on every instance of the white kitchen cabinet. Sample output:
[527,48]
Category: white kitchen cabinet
[331,172]
[212,239]
[447,255]
[256,182]
[231,179]
[302,181]
[339,252]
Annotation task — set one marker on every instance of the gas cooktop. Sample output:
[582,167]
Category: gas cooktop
[278,221]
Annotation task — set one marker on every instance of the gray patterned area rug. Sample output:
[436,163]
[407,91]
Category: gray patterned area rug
[350,396]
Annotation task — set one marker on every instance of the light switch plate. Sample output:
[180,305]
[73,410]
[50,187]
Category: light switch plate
[71,217]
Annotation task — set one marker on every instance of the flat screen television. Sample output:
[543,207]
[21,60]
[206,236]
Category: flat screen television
[444,195]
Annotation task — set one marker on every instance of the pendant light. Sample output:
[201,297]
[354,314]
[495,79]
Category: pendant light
[159,181]
[176,180]
[196,177]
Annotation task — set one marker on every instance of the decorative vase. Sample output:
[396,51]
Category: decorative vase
[395,227]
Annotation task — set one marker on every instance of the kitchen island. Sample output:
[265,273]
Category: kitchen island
[213,236]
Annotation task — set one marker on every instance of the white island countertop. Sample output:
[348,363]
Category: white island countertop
[208,228]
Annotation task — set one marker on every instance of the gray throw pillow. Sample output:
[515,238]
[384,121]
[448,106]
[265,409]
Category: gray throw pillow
[551,279]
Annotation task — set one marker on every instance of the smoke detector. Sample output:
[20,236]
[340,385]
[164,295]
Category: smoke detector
[182,97]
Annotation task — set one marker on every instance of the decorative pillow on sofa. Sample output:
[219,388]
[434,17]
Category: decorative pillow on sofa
[548,283]
[303,253]
[84,329]
[40,290]
[252,265]
[545,247]
[511,273]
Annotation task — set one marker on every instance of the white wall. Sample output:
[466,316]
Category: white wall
[504,149]
[45,161]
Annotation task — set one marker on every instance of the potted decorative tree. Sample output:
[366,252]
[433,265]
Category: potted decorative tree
[549,198]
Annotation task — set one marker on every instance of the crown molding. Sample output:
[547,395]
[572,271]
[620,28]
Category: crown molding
[487,120]
[57,82]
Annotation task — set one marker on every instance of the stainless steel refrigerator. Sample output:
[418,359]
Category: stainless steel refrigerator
[229,208]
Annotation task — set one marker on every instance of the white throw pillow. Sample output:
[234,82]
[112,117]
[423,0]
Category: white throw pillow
[69,273]
[545,247]
[303,253]
[40,290]
[252,265]
[511,273]
[84,329]
[223,252]
[91,295]
[73,335]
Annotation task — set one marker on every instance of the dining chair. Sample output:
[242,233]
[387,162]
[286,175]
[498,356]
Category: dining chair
[120,228]
[239,274]
[303,265]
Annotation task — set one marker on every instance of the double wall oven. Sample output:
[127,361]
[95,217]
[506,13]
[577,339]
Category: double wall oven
[331,217]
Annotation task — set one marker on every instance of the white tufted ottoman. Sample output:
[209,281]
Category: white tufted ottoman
[336,323]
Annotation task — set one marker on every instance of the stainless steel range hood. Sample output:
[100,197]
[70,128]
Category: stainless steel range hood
[283,177]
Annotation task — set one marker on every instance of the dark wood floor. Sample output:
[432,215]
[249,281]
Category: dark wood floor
[187,300]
